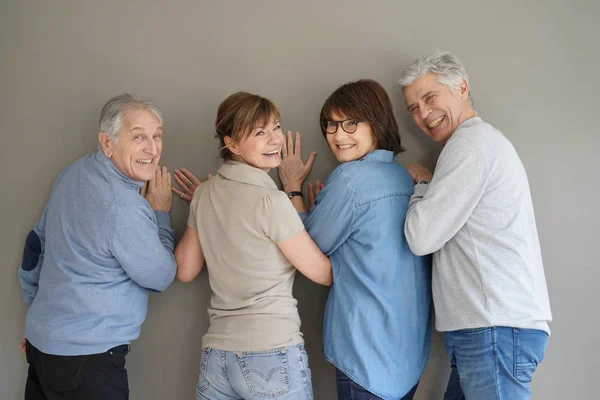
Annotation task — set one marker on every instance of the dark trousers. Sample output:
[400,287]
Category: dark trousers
[91,377]
[347,389]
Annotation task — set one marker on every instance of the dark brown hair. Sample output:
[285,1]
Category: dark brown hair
[239,114]
[367,101]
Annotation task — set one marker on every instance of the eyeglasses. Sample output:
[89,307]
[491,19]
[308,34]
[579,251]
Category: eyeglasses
[348,125]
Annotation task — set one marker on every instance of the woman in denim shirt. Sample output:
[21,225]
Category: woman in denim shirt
[252,240]
[377,319]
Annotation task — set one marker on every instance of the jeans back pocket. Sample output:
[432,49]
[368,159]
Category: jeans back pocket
[265,372]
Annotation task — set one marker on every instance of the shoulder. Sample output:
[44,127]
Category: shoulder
[375,179]
[481,136]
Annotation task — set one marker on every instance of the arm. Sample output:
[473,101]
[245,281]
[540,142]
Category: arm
[304,254]
[331,220]
[279,221]
[437,211]
[143,247]
[33,258]
[189,256]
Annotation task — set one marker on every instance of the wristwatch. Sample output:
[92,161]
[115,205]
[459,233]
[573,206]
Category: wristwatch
[423,182]
[294,193]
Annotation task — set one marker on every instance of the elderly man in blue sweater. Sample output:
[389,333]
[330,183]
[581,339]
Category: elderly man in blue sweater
[103,242]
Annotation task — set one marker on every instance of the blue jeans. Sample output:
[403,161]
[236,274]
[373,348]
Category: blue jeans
[347,389]
[281,373]
[493,363]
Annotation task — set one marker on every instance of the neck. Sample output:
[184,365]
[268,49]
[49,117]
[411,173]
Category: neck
[240,159]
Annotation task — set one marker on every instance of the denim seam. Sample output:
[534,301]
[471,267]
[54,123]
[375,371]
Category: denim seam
[383,196]
[202,386]
[496,369]
[224,364]
[515,352]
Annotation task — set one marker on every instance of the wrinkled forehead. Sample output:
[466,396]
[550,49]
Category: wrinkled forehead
[421,86]
[140,118]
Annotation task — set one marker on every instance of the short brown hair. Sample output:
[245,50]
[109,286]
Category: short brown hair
[239,114]
[367,101]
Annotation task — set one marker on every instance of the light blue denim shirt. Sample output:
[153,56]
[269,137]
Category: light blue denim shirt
[377,326]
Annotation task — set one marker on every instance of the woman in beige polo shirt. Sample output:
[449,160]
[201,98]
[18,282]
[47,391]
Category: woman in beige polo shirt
[253,241]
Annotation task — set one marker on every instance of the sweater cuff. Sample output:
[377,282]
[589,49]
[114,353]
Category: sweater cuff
[163,218]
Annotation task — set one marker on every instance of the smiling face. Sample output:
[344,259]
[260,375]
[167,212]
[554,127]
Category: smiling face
[435,108]
[351,146]
[138,147]
[260,147]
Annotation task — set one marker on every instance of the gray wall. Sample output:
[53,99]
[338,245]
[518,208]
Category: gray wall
[534,75]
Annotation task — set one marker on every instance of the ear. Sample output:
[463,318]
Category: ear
[464,90]
[105,144]
[231,145]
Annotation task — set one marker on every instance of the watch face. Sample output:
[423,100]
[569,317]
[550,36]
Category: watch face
[290,195]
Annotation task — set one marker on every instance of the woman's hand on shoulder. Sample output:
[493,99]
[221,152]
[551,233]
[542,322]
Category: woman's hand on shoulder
[187,182]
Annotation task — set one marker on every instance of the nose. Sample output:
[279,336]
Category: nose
[274,137]
[424,111]
[340,134]
[151,147]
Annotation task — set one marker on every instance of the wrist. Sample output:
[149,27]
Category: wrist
[296,187]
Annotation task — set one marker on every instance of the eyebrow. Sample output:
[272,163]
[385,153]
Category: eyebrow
[263,127]
[408,107]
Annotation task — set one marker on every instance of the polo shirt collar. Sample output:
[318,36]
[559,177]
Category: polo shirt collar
[241,172]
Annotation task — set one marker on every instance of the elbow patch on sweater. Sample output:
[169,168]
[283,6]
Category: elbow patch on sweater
[32,251]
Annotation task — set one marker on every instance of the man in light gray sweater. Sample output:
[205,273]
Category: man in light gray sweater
[475,214]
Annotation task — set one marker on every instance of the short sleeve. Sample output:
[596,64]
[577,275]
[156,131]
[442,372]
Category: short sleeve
[277,218]
[192,221]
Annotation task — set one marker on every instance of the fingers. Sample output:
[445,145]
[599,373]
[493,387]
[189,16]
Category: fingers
[182,195]
[187,189]
[290,144]
[166,177]
[298,145]
[318,187]
[188,176]
[209,177]
[311,195]
[144,189]
[309,162]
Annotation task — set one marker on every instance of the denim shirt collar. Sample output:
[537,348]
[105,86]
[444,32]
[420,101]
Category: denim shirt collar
[107,162]
[379,156]
[241,172]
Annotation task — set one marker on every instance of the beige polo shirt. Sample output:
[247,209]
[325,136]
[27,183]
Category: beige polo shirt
[240,215]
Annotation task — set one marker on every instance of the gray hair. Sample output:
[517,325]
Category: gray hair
[112,114]
[449,70]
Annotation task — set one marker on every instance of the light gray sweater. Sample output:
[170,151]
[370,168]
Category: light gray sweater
[476,217]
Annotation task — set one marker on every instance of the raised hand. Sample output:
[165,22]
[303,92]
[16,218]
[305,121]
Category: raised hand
[292,170]
[158,191]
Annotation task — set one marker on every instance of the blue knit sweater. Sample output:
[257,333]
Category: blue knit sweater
[91,260]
